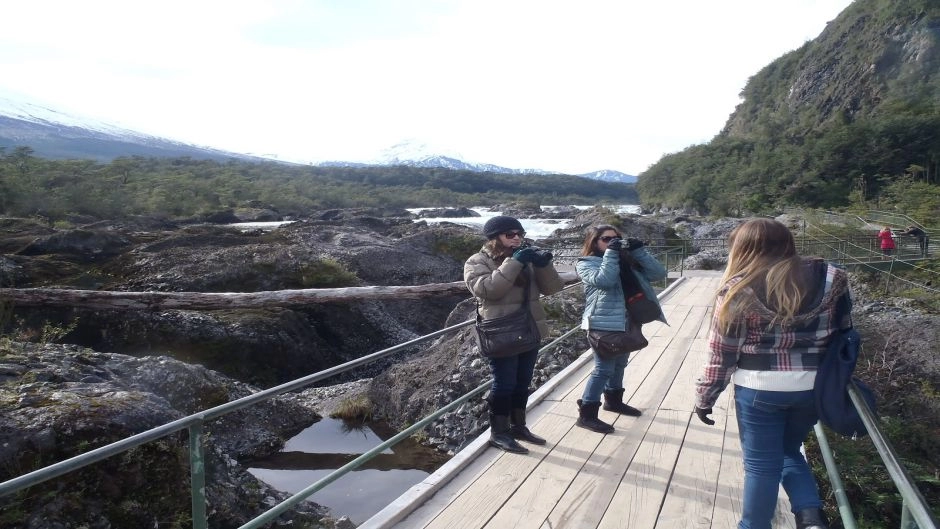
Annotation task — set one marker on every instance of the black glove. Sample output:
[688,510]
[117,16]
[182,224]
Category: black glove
[703,414]
[633,244]
[524,255]
[615,244]
[542,258]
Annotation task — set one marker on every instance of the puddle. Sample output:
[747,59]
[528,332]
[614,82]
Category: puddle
[331,443]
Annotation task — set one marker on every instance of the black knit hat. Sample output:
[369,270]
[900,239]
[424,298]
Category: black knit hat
[500,224]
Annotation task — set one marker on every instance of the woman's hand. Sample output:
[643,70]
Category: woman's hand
[524,255]
[703,414]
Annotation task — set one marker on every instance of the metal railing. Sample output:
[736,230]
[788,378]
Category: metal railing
[915,513]
[194,424]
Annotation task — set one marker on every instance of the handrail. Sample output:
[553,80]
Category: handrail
[195,422]
[913,504]
[880,215]
[282,507]
[57,469]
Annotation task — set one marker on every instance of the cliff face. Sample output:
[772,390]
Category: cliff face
[852,111]
[875,57]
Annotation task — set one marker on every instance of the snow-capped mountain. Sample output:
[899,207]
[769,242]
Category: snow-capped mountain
[609,175]
[416,153]
[54,134]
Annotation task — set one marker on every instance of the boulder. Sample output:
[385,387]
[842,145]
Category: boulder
[60,401]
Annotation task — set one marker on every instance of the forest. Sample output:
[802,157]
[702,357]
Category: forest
[187,188]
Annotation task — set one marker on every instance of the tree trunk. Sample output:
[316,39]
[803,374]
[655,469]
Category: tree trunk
[102,299]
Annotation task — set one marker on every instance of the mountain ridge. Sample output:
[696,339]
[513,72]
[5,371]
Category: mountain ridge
[58,135]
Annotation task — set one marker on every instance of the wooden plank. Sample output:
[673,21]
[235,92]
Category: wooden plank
[479,501]
[572,482]
[635,504]
[693,486]
[540,493]
[590,493]
[532,501]
[689,496]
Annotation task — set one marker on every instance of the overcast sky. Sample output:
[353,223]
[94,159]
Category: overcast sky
[568,86]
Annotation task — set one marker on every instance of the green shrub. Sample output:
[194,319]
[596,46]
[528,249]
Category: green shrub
[326,273]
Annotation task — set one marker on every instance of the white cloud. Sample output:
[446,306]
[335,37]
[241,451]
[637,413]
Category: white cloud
[557,85]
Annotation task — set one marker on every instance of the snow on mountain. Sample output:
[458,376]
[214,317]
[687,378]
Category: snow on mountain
[17,107]
[609,175]
[52,133]
[55,134]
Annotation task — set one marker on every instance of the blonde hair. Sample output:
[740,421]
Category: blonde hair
[761,250]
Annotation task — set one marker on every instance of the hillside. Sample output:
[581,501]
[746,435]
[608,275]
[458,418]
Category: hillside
[843,116]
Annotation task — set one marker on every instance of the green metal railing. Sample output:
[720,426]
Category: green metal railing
[915,512]
[194,425]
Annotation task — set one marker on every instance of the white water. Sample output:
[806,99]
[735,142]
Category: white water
[535,228]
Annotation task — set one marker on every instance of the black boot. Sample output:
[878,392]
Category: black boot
[587,417]
[613,401]
[519,431]
[500,436]
[811,519]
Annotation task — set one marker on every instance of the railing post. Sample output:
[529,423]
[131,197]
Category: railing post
[838,488]
[197,475]
[888,276]
[907,521]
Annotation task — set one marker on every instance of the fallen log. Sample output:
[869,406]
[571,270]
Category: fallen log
[104,299]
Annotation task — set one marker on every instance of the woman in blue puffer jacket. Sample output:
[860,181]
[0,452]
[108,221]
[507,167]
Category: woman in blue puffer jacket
[605,309]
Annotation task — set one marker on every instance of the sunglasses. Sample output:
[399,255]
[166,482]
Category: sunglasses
[608,238]
[514,234]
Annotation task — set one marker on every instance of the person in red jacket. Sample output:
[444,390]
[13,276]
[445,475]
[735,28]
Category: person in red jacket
[887,240]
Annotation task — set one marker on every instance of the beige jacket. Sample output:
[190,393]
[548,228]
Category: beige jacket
[494,285]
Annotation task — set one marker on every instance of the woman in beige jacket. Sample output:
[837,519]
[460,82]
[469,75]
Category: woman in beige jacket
[497,276]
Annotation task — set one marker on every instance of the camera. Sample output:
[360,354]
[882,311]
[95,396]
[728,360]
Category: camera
[542,256]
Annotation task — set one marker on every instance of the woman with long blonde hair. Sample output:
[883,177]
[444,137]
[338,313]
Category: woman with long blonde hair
[773,317]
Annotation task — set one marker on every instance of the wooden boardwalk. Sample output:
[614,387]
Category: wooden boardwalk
[662,470]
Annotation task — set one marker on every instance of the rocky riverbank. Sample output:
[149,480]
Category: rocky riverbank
[75,379]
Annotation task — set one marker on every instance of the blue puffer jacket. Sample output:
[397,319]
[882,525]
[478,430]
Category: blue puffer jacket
[604,306]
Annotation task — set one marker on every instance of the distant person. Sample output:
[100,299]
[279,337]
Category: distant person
[773,317]
[497,276]
[921,235]
[887,240]
[604,256]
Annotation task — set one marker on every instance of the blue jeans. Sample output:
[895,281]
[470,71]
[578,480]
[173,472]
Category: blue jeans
[773,426]
[511,378]
[607,375]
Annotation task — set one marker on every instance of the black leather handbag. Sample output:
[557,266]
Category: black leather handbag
[508,335]
[608,344]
